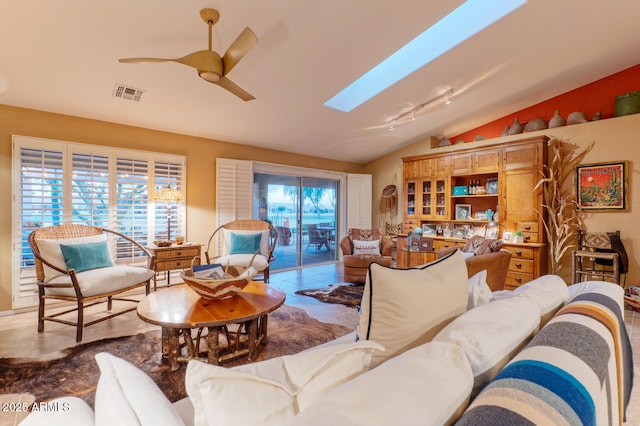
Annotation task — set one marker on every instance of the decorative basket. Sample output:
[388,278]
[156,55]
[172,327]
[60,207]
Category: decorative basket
[223,288]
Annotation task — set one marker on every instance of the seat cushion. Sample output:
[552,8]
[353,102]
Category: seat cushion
[273,391]
[260,262]
[427,385]
[103,280]
[403,308]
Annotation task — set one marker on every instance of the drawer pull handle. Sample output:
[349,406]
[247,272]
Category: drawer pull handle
[179,253]
[518,265]
[519,279]
[527,228]
[519,253]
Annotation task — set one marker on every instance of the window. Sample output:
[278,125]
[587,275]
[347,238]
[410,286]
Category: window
[61,182]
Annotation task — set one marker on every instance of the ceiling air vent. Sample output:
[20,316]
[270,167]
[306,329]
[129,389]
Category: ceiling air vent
[126,92]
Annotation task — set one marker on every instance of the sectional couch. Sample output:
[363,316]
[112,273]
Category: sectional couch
[432,347]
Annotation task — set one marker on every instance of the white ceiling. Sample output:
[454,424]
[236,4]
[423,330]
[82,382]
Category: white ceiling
[62,56]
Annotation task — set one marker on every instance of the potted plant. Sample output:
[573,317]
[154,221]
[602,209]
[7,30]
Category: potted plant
[518,237]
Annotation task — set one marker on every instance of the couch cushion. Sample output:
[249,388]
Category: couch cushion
[480,245]
[479,291]
[82,257]
[403,308]
[102,280]
[548,292]
[245,243]
[127,396]
[427,385]
[259,262]
[51,252]
[371,248]
[492,334]
[273,391]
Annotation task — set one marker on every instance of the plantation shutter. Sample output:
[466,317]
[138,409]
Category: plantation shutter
[234,190]
[359,201]
[132,204]
[90,189]
[40,203]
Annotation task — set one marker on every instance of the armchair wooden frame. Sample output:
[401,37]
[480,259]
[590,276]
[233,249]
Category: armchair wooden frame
[245,225]
[74,231]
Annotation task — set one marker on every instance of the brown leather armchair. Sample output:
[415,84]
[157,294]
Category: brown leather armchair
[357,265]
[496,263]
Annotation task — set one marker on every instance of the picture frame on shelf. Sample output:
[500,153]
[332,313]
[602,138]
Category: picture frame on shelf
[463,212]
[481,216]
[506,237]
[426,244]
[492,186]
[602,186]
[492,232]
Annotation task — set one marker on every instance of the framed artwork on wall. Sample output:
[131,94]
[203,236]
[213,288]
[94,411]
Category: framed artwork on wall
[602,186]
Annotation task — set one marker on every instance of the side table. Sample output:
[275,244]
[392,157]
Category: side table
[173,257]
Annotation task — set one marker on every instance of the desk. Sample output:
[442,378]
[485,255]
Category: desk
[173,257]
[179,310]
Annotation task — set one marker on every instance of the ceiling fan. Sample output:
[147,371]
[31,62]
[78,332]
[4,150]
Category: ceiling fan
[211,67]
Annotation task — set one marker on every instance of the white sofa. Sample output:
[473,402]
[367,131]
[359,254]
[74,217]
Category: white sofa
[429,350]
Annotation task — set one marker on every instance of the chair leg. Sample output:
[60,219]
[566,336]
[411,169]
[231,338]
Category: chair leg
[80,324]
[265,273]
[109,303]
[41,302]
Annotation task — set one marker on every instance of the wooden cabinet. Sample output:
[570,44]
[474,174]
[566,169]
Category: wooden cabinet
[528,261]
[514,168]
[487,161]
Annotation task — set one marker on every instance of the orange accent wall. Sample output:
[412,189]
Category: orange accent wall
[597,96]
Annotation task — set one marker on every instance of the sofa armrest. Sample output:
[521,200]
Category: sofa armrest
[386,246]
[496,264]
[445,251]
[345,245]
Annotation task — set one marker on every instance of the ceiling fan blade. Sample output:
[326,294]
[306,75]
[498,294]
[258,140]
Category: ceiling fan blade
[238,49]
[225,83]
[143,60]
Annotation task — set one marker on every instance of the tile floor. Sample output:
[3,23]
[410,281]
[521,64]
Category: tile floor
[19,338]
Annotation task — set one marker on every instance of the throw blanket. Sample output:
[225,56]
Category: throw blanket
[577,370]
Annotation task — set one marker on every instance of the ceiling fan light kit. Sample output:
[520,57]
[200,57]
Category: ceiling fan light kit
[210,65]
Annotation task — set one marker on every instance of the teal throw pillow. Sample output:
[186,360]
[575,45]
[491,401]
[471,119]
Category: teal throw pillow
[245,243]
[82,257]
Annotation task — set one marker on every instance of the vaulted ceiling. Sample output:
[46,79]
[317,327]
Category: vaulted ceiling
[62,56]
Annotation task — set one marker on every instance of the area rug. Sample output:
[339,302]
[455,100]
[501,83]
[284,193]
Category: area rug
[74,372]
[347,294]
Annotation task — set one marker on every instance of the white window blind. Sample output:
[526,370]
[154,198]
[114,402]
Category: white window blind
[234,190]
[359,201]
[62,182]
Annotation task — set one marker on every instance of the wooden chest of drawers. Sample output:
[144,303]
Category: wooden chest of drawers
[528,261]
[174,257]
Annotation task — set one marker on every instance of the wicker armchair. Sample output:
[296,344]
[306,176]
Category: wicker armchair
[356,265]
[74,264]
[229,235]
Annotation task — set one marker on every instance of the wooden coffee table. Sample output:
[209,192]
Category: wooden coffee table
[179,310]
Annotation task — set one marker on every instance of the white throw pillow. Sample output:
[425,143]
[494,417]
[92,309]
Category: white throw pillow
[479,290]
[67,410]
[427,385]
[228,234]
[371,248]
[403,308]
[50,251]
[273,391]
[127,396]
[492,334]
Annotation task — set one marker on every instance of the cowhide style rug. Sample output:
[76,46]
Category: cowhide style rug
[347,294]
[74,372]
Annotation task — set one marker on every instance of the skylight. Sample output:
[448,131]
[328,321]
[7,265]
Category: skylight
[464,22]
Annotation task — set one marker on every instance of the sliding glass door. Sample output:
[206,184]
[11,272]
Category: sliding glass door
[304,210]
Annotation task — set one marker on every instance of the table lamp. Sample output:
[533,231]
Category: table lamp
[168,195]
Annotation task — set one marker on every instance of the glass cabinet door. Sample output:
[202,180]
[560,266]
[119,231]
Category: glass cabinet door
[411,198]
[441,199]
[427,195]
